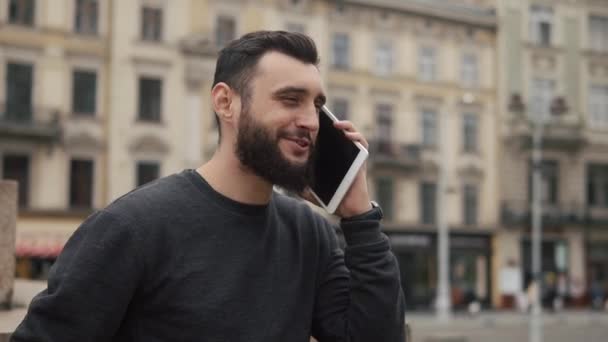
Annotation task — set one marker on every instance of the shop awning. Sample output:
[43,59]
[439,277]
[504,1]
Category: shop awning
[43,236]
[39,246]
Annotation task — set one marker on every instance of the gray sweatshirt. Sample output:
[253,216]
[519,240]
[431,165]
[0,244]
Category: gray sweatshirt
[175,260]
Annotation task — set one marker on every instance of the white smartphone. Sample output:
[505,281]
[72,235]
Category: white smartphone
[338,160]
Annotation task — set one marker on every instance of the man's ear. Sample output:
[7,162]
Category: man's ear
[222,97]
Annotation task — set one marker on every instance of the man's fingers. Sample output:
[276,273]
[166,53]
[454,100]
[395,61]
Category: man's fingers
[358,137]
[345,125]
[351,132]
[307,195]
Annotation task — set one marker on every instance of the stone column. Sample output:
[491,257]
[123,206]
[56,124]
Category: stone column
[199,71]
[8,222]
[193,125]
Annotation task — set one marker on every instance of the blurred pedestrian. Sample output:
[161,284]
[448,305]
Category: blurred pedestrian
[214,254]
[561,291]
[577,291]
[549,290]
[596,293]
[532,293]
[523,301]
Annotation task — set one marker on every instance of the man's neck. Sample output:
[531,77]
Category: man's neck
[226,175]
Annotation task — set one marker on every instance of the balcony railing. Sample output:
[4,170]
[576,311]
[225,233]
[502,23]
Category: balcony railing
[391,154]
[519,213]
[563,130]
[30,124]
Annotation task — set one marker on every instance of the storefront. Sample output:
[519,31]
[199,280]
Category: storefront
[597,271]
[39,241]
[555,271]
[469,268]
[35,254]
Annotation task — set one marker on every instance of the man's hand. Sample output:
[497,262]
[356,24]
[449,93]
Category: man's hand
[356,201]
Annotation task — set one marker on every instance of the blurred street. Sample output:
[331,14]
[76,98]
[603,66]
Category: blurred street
[502,327]
[565,326]
[24,291]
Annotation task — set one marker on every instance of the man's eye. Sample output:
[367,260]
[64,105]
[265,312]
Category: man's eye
[290,100]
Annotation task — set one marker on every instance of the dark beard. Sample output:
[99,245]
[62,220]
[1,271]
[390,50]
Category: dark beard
[258,151]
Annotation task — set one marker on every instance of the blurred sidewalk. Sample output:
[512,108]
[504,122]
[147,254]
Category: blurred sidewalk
[24,291]
[493,326]
[498,326]
[508,318]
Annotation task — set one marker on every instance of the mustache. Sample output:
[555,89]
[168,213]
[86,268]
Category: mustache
[298,133]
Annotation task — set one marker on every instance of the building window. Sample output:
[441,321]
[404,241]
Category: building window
[549,181]
[542,91]
[81,183]
[470,77]
[598,33]
[541,21]
[147,171]
[150,99]
[427,63]
[18,92]
[86,16]
[340,108]
[17,167]
[385,195]
[384,123]
[84,89]
[428,203]
[225,30]
[597,185]
[598,106]
[341,51]
[470,203]
[470,130]
[429,128]
[151,23]
[296,27]
[384,57]
[21,12]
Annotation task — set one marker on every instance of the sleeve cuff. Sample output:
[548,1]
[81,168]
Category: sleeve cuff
[359,232]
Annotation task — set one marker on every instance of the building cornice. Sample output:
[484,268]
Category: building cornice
[485,18]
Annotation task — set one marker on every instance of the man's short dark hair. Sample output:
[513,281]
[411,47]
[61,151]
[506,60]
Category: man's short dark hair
[237,61]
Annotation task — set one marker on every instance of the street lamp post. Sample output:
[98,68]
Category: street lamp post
[536,321]
[535,333]
[443,300]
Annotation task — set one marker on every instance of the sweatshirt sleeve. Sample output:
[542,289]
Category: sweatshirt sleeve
[359,296]
[89,286]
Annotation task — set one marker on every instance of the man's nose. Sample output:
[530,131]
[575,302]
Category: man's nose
[309,119]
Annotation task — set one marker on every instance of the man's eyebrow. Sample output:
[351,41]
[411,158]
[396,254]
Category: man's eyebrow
[291,90]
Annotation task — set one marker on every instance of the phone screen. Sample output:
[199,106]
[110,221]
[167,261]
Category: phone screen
[335,154]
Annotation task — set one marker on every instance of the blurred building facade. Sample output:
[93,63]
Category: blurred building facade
[417,77]
[53,125]
[98,97]
[101,97]
[553,64]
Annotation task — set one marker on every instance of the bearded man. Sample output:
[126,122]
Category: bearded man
[214,254]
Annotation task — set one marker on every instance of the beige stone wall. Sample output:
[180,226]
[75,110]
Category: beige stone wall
[55,50]
[407,94]
[577,265]
[130,140]
[8,217]
[572,163]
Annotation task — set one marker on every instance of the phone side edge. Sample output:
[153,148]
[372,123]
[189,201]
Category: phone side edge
[348,180]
